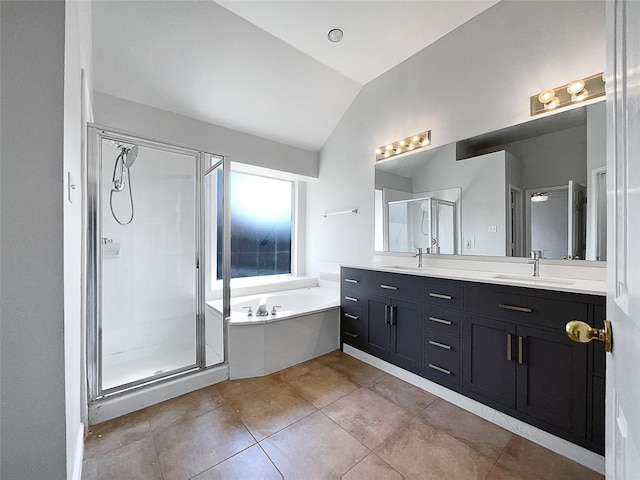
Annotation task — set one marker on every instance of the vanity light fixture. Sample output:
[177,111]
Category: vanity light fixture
[408,144]
[539,197]
[573,92]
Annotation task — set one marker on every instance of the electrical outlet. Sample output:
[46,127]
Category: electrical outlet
[493,228]
[470,244]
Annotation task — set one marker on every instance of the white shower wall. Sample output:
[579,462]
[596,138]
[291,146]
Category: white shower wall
[148,272]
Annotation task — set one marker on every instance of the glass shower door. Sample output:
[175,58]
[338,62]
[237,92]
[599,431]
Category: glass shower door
[147,262]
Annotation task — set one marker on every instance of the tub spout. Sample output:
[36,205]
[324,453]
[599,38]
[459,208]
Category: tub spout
[262,308]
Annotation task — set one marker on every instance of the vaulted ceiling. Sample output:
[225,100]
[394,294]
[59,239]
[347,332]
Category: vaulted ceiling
[262,67]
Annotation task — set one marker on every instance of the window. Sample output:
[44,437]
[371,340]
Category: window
[261,225]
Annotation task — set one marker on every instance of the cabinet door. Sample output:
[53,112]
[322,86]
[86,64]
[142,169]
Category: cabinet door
[406,334]
[488,353]
[378,331]
[552,379]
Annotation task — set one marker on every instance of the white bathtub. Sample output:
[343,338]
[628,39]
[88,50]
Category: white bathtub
[306,325]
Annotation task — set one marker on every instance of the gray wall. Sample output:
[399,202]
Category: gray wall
[162,125]
[32,412]
[474,80]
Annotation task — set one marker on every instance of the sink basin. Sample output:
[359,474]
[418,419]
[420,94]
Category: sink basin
[404,267]
[530,280]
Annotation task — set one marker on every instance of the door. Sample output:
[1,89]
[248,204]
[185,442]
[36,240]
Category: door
[556,396]
[378,334]
[488,354]
[406,334]
[576,221]
[622,450]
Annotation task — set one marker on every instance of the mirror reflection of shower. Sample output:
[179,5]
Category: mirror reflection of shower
[122,178]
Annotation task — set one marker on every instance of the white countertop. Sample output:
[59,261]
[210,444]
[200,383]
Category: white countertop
[562,284]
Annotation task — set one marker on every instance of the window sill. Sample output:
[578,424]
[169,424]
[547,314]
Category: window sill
[253,285]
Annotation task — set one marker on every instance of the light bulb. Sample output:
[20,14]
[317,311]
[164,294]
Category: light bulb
[410,147]
[402,143]
[546,96]
[575,86]
[415,138]
[386,154]
[378,151]
[550,105]
[425,142]
[578,97]
[388,147]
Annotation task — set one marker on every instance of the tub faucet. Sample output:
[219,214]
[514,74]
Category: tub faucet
[262,308]
[536,255]
[419,255]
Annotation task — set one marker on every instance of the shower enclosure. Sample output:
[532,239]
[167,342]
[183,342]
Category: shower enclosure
[149,251]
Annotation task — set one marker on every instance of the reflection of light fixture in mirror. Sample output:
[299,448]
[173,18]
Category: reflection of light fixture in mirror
[404,145]
[539,197]
[573,92]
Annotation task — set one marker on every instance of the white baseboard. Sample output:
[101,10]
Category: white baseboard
[558,445]
[76,473]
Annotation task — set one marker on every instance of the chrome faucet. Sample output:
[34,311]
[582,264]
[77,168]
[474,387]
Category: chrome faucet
[536,255]
[419,255]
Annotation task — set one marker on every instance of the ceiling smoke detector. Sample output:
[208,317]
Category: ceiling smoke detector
[335,35]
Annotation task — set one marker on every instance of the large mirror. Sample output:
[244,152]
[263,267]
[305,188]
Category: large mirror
[539,185]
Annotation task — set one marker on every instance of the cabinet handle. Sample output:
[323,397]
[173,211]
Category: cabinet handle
[520,350]
[440,320]
[509,347]
[349,280]
[351,334]
[351,299]
[352,317]
[386,314]
[440,369]
[388,287]
[438,344]
[440,295]
[391,307]
[517,309]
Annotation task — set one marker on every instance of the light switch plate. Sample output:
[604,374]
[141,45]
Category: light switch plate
[469,244]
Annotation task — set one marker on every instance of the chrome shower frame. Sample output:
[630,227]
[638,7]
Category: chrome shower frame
[93,265]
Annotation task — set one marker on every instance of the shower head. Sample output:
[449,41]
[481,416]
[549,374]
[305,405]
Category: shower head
[130,155]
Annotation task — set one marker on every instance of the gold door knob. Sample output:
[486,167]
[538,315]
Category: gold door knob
[582,333]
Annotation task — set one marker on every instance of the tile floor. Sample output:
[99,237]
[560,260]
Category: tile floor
[331,417]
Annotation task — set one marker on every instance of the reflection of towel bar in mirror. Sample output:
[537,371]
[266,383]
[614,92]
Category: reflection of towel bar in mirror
[353,210]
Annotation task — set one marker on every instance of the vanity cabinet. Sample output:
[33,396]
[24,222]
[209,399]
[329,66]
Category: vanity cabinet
[381,314]
[503,346]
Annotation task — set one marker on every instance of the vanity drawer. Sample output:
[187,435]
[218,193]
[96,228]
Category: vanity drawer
[441,320]
[351,298]
[442,357]
[351,326]
[529,308]
[352,278]
[392,285]
[443,294]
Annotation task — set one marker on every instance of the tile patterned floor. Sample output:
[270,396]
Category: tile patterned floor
[331,417]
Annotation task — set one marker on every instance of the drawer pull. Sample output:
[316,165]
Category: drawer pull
[388,287]
[440,295]
[351,334]
[350,280]
[440,320]
[509,347]
[517,309]
[440,369]
[351,299]
[352,317]
[438,344]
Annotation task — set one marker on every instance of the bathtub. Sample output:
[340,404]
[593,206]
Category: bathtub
[306,325]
